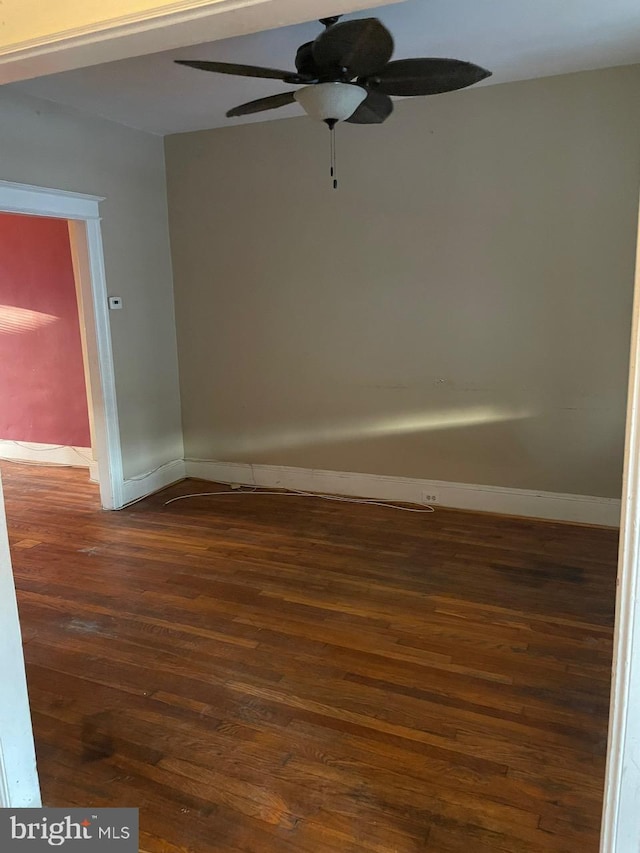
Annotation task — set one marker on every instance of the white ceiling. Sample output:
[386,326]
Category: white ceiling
[516,39]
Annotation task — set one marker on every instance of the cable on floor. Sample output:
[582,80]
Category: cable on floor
[295,493]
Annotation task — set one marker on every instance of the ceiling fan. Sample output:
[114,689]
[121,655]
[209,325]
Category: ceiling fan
[347,75]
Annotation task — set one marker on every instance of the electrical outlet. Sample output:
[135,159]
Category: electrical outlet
[430,497]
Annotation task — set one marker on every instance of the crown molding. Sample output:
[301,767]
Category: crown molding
[163,27]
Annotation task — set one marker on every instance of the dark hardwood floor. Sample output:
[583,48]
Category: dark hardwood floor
[274,674]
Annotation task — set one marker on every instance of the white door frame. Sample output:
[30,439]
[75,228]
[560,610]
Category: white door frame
[82,212]
[19,787]
[621,814]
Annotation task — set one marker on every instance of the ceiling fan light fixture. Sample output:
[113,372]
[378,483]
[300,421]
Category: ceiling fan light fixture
[360,50]
[330,101]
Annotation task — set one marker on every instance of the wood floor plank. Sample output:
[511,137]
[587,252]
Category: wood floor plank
[264,674]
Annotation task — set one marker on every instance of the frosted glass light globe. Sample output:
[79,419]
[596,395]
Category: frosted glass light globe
[330,101]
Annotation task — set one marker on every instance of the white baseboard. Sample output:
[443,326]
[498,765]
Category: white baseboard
[51,454]
[534,504]
[146,484]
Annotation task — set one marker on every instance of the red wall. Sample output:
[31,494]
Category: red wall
[42,388]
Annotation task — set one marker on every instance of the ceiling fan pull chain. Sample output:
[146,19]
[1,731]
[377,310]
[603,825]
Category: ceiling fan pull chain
[333,158]
[331,124]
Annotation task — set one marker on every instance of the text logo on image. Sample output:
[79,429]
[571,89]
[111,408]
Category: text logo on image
[69,829]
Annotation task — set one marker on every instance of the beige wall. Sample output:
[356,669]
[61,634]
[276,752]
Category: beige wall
[458,310]
[51,146]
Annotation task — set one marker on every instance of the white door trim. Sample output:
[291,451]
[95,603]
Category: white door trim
[621,816]
[19,787]
[83,213]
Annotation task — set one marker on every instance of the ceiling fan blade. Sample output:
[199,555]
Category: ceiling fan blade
[427,76]
[244,70]
[375,109]
[270,103]
[362,46]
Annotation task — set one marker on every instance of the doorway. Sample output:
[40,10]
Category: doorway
[81,214]
[45,418]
